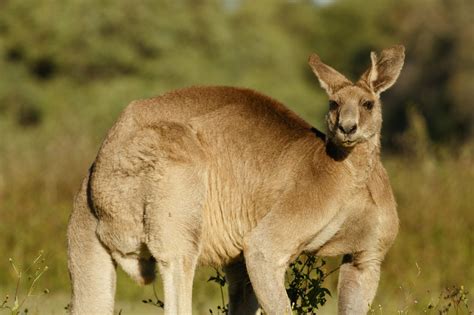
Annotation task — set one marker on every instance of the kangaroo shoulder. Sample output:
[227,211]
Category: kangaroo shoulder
[380,189]
[385,205]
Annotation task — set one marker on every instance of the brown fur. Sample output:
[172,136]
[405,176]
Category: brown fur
[229,177]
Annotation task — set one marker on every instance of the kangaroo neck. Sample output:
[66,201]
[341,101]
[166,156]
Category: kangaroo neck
[358,161]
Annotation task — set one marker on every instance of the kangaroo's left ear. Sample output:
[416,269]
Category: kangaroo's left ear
[384,70]
[330,79]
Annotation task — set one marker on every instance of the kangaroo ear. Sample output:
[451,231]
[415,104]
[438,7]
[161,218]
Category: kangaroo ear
[384,70]
[330,79]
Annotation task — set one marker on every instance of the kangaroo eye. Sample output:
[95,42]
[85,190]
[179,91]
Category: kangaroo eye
[333,105]
[368,105]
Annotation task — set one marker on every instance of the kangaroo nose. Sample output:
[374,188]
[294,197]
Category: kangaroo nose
[348,129]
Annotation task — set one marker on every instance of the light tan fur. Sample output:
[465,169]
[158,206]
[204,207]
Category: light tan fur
[229,177]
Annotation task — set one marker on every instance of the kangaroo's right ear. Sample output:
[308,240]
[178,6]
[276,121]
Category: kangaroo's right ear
[384,70]
[330,79]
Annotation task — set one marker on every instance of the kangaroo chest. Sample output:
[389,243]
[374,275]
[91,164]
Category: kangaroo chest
[347,231]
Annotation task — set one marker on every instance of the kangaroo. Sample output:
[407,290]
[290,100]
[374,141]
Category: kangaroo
[228,177]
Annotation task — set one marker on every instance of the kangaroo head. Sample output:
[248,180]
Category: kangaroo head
[355,113]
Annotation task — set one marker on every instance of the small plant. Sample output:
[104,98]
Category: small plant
[305,289]
[156,300]
[453,298]
[219,278]
[15,304]
[305,284]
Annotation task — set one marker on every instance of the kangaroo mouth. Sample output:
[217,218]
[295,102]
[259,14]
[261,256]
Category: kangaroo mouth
[349,143]
[345,141]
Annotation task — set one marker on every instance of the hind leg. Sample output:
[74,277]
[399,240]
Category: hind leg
[176,257]
[242,299]
[91,268]
[178,274]
[174,219]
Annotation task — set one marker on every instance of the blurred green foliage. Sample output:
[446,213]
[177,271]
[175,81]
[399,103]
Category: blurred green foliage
[76,45]
[67,68]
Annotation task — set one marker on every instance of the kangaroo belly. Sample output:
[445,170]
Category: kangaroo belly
[220,245]
[233,207]
[223,225]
